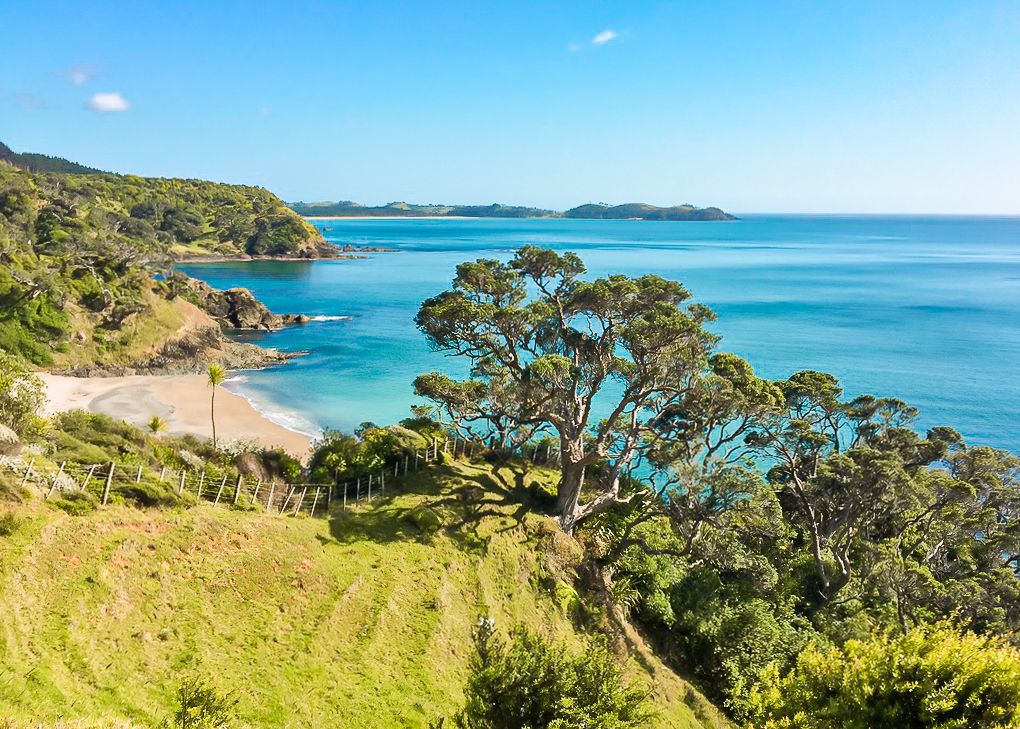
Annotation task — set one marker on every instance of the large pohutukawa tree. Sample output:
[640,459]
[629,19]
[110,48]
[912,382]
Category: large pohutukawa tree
[548,349]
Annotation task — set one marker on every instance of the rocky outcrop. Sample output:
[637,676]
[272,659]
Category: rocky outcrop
[233,308]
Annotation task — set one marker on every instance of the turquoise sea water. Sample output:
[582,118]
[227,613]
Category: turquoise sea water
[924,309]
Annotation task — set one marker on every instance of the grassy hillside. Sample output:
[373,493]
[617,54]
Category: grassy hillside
[81,254]
[363,620]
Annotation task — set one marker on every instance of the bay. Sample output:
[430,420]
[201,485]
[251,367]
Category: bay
[926,309]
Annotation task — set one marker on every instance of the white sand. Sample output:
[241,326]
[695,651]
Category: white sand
[183,401]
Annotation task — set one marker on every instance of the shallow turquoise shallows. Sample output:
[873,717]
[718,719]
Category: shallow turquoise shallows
[924,309]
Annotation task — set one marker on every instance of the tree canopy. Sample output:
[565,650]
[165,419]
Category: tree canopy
[550,350]
[928,678]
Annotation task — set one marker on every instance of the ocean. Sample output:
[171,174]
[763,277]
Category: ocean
[926,309]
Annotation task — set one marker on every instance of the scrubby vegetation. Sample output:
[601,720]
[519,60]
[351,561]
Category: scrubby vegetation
[738,520]
[81,253]
[530,682]
[927,677]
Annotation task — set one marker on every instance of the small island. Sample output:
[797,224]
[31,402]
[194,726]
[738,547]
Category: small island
[591,211]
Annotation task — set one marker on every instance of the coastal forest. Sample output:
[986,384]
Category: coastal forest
[88,256]
[609,522]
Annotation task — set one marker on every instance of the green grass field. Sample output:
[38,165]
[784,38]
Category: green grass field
[362,620]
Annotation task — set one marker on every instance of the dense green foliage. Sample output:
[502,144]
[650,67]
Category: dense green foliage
[21,397]
[928,678]
[544,345]
[770,515]
[533,683]
[342,457]
[859,524]
[43,163]
[644,211]
[80,251]
[200,705]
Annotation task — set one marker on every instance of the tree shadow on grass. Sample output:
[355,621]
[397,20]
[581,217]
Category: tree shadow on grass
[455,499]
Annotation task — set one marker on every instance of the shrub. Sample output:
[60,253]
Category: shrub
[145,494]
[21,396]
[534,683]
[201,706]
[8,524]
[930,677]
[75,503]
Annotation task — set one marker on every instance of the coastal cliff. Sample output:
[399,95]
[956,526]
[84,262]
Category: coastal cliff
[88,284]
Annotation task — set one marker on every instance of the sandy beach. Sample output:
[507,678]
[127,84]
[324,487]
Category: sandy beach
[181,400]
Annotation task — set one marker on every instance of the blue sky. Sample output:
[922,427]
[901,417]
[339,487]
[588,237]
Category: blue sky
[780,106]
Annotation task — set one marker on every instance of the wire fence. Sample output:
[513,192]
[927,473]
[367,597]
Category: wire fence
[226,486]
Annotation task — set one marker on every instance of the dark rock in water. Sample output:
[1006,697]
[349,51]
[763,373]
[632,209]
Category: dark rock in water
[234,308]
[296,318]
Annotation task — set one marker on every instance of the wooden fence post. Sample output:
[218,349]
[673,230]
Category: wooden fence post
[27,472]
[201,482]
[287,502]
[329,498]
[406,459]
[237,488]
[416,459]
[138,478]
[297,505]
[382,483]
[345,497]
[109,480]
[370,488]
[255,495]
[357,492]
[180,489]
[218,493]
[88,477]
[316,501]
[162,474]
[56,478]
[272,488]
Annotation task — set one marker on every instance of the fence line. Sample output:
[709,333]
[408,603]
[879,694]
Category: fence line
[99,479]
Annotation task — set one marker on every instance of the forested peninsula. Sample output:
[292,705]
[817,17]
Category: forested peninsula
[88,282]
[600,211]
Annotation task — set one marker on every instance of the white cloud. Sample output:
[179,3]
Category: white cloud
[574,47]
[80,74]
[102,103]
[604,37]
[264,110]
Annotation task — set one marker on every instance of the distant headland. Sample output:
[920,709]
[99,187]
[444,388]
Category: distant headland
[592,211]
